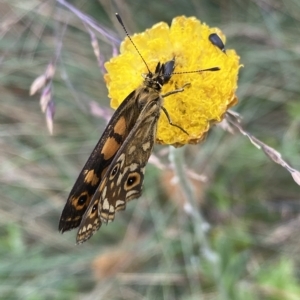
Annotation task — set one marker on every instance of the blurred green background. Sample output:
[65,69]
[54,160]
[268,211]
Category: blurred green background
[152,250]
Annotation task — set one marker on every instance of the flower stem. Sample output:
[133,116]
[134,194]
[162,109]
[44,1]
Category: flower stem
[201,227]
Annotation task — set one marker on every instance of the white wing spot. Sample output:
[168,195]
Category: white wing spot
[132,149]
[120,179]
[105,204]
[133,167]
[122,159]
[104,217]
[146,146]
[119,203]
[104,192]
[112,185]
[132,192]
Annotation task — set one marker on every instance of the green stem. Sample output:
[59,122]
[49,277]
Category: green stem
[201,227]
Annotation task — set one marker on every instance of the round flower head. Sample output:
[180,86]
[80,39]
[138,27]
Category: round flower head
[207,97]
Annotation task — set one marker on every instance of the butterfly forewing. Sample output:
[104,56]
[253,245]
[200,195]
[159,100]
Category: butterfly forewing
[103,154]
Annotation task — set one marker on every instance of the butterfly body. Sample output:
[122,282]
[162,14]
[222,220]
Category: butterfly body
[114,172]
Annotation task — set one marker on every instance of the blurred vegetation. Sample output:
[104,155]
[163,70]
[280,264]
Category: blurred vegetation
[151,251]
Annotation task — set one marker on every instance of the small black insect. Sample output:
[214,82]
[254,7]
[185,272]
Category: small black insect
[216,40]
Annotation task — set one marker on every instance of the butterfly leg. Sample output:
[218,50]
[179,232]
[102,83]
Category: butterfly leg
[179,90]
[170,121]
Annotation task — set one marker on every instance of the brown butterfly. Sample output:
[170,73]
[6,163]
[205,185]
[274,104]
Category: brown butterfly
[114,172]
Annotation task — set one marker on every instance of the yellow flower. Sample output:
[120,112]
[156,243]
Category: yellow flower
[209,94]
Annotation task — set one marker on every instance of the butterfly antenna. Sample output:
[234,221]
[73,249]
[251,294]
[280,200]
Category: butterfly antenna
[198,71]
[122,24]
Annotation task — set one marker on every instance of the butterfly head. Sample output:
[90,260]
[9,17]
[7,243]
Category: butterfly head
[162,74]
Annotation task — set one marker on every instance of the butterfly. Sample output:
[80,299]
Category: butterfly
[114,172]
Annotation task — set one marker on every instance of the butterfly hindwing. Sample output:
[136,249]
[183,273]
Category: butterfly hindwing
[125,176]
[92,221]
